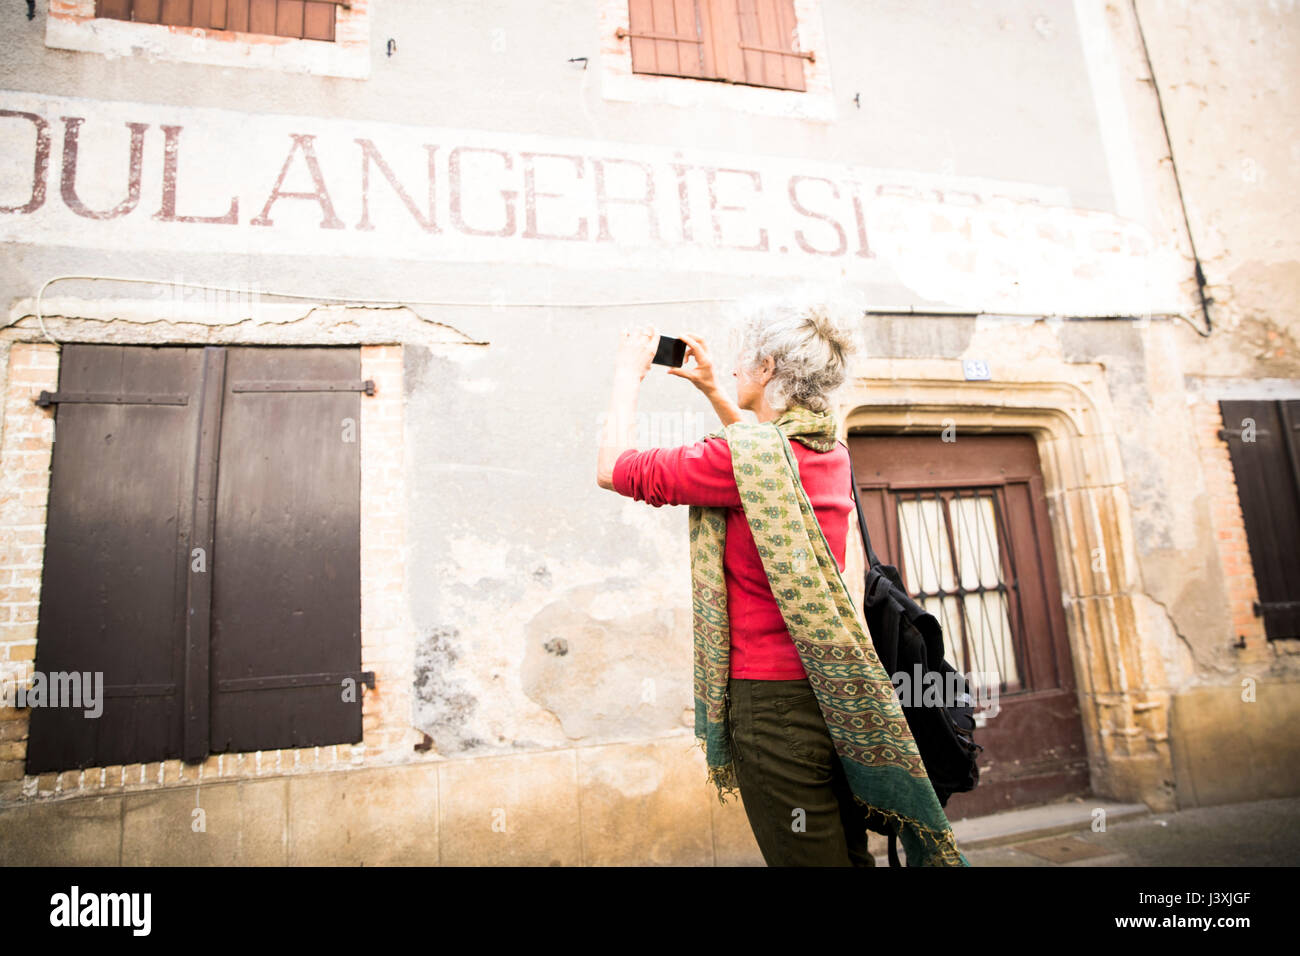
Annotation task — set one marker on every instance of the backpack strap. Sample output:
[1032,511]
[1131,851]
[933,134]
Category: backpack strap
[873,561]
[862,518]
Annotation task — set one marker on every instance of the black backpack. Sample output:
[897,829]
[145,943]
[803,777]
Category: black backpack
[904,635]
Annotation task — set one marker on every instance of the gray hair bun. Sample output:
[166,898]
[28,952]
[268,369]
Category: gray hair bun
[810,350]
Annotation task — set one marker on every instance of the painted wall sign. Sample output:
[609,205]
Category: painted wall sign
[116,175]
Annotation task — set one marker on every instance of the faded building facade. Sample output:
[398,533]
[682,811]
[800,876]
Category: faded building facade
[325,300]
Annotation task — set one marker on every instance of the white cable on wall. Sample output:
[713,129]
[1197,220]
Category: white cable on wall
[349,300]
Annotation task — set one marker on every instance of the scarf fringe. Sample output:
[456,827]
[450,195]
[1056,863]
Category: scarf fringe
[942,842]
[723,778]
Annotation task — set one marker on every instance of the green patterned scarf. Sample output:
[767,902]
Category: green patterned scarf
[856,696]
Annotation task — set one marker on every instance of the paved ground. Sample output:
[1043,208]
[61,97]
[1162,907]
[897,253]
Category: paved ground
[1260,833]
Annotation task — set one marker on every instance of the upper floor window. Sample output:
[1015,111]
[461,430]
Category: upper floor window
[302,19]
[320,37]
[753,42]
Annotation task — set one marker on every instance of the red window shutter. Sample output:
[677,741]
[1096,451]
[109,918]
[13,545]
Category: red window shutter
[306,19]
[146,11]
[216,14]
[723,37]
[237,15]
[113,9]
[176,13]
[755,42]
[666,37]
[318,21]
[261,16]
[770,26]
[288,18]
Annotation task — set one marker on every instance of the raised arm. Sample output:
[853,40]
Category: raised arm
[695,474]
[631,363]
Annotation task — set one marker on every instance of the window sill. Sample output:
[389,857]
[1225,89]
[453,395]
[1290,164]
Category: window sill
[72,25]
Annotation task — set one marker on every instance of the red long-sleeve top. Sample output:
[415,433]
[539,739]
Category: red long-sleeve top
[701,474]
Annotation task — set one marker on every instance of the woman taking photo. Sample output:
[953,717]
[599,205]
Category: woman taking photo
[792,706]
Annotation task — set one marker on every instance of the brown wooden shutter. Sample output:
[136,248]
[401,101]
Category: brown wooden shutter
[247,455]
[286,604]
[1264,444]
[304,19]
[115,567]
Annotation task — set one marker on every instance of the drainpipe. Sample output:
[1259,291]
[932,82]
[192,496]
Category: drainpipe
[1182,203]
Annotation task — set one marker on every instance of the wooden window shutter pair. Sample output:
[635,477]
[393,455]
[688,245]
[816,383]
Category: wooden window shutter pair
[1263,439]
[202,554]
[754,42]
[304,19]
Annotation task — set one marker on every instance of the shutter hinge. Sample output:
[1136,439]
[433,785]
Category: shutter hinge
[108,398]
[1272,607]
[806,54]
[1225,433]
[294,680]
[368,386]
[623,33]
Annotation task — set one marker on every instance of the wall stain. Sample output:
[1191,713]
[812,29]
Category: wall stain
[443,706]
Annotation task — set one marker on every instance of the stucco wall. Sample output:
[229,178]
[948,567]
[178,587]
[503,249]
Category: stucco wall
[545,613]
[1226,73]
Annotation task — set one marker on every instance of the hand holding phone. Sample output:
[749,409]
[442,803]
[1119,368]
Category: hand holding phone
[701,373]
[671,352]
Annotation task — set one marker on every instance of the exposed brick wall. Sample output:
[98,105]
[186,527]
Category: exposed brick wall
[1227,522]
[24,485]
[387,638]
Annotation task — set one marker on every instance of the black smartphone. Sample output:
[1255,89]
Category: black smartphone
[671,351]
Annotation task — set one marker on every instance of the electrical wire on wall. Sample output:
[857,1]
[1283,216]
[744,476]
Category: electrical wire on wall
[343,301]
[353,302]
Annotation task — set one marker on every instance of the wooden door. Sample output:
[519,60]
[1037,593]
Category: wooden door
[966,524]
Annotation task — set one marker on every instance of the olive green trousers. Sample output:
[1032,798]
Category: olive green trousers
[790,778]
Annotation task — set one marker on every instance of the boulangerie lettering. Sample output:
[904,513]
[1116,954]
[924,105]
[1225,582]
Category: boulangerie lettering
[145,176]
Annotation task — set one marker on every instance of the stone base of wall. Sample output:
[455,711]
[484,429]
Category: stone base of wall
[1227,749]
[632,804]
